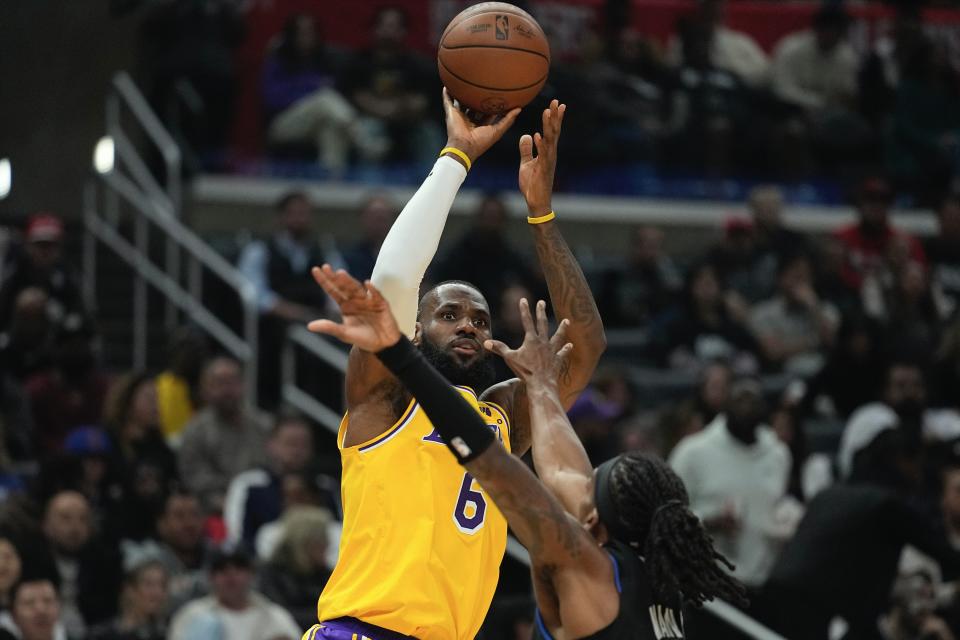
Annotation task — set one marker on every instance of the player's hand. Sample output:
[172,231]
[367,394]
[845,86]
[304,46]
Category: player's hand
[540,359]
[367,322]
[473,138]
[536,173]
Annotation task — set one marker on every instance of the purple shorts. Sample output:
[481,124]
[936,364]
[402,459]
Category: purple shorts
[350,629]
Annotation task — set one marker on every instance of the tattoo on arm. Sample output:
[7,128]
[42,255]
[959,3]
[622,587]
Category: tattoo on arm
[538,520]
[572,299]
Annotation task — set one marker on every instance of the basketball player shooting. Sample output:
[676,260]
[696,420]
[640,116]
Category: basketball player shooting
[421,546]
[589,577]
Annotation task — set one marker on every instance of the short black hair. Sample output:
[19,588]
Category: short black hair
[34,574]
[285,200]
[432,291]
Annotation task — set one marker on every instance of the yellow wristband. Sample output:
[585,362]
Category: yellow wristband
[459,154]
[541,219]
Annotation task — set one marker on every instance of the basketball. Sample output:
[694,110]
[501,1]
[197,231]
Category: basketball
[493,57]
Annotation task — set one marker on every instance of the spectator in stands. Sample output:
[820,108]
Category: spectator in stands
[883,68]
[183,549]
[233,610]
[729,50]
[867,242]
[501,263]
[833,280]
[255,497]
[509,324]
[903,403]
[843,558]
[707,326]
[141,457]
[89,571]
[816,72]
[712,121]
[279,268]
[736,473]
[143,605]
[25,343]
[177,384]
[69,395]
[910,311]
[188,51]
[924,149]
[25,349]
[648,286]
[739,262]
[225,438]
[84,467]
[795,327]
[816,69]
[35,612]
[943,249]
[301,100]
[41,265]
[311,488]
[713,391]
[298,568]
[393,89]
[853,371]
[376,218]
[773,241]
[131,414]
[11,567]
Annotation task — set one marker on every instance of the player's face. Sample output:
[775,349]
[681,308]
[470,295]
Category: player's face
[451,333]
[458,323]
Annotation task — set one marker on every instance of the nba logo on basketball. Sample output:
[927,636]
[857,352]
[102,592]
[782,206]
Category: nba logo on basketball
[503,27]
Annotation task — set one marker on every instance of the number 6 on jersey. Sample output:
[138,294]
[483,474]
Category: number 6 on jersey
[471,507]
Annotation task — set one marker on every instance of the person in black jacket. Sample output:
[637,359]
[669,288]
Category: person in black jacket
[843,559]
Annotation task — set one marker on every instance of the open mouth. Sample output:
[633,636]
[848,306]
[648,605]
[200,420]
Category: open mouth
[466,347]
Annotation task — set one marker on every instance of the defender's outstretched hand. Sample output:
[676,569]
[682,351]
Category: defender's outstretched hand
[540,358]
[474,138]
[367,323]
[536,173]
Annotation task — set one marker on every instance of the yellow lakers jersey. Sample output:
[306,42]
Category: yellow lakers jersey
[421,545]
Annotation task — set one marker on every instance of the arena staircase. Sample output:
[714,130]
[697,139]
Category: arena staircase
[146,273]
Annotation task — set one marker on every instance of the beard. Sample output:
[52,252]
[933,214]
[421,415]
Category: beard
[478,375]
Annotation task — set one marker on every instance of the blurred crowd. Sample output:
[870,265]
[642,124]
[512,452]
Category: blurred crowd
[710,100]
[803,386]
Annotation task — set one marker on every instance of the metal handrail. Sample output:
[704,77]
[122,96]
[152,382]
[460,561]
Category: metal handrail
[187,300]
[127,90]
[131,182]
[298,336]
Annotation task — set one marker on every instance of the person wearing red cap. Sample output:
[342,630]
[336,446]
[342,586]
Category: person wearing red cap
[41,266]
[867,242]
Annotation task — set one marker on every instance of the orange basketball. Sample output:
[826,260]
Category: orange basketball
[493,57]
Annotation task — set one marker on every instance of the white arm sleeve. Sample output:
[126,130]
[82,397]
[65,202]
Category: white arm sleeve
[412,242]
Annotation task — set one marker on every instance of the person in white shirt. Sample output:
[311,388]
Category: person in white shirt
[816,69]
[730,50]
[736,472]
[234,611]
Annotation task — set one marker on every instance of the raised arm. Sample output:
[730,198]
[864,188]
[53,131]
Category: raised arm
[570,294]
[558,455]
[536,517]
[413,239]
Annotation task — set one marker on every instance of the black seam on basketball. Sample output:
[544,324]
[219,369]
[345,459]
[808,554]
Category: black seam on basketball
[494,46]
[480,86]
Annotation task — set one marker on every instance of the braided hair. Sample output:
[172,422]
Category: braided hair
[651,504]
